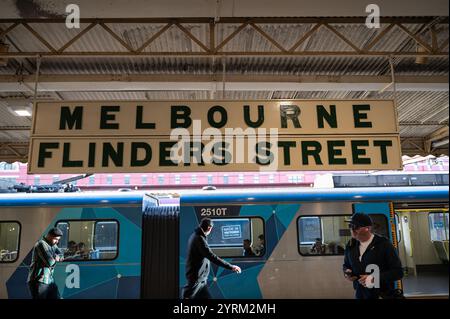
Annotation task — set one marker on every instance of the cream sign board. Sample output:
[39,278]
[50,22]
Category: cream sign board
[165,136]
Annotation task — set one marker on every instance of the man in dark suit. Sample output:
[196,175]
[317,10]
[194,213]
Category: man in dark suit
[198,262]
[367,250]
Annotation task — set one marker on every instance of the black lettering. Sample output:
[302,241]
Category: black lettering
[164,152]
[291,112]
[110,153]
[139,123]
[91,161]
[383,145]
[263,148]
[322,114]
[286,145]
[260,119]
[43,154]
[195,151]
[357,116]
[105,117]
[223,116]
[357,152]
[332,153]
[69,120]
[175,116]
[315,152]
[221,154]
[66,158]
[135,146]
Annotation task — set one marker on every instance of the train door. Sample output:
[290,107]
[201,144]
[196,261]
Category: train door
[424,249]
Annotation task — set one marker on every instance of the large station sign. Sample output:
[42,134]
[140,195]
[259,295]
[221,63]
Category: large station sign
[176,136]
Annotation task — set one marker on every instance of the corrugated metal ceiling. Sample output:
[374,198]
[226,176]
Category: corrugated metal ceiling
[428,106]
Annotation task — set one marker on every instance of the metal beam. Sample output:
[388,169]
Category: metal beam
[432,49]
[236,20]
[202,82]
[400,79]
[14,128]
[381,79]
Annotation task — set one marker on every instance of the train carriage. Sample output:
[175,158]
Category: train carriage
[135,243]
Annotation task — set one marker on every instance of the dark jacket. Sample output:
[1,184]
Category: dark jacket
[43,262]
[381,253]
[199,257]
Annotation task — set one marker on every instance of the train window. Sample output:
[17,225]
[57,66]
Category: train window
[328,235]
[238,237]
[89,239]
[9,241]
[438,224]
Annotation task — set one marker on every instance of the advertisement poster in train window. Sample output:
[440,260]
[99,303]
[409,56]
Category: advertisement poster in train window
[229,232]
[310,229]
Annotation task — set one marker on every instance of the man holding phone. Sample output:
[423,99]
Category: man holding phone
[367,250]
[43,261]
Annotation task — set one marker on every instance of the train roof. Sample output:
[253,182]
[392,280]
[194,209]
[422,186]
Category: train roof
[298,194]
[321,194]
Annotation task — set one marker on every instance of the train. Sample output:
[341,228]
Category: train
[134,244]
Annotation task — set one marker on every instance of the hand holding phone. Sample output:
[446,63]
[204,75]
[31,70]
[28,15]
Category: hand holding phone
[348,274]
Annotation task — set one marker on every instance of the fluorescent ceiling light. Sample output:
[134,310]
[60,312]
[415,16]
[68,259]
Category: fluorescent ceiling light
[22,112]
[19,107]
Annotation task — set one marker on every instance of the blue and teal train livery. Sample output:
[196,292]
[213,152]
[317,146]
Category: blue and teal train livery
[133,245]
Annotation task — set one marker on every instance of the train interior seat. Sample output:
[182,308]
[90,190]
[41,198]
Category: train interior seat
[441,248]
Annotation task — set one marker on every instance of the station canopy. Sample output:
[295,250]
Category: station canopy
[233,50]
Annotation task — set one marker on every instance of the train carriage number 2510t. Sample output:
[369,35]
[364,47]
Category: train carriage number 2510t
[214,211]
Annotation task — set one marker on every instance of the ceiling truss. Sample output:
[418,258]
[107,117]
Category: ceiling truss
[430,47]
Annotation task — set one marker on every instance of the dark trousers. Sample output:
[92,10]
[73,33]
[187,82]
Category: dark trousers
[196,290]
[367,293]
[39,290]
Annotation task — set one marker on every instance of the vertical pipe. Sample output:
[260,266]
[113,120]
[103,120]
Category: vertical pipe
[223,76]
[36,79]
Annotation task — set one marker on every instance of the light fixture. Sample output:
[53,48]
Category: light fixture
[19,107]
[440,143]
[22,112]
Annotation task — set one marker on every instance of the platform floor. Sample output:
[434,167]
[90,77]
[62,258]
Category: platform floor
[426,283]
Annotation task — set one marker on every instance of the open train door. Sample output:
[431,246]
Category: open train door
[423,247]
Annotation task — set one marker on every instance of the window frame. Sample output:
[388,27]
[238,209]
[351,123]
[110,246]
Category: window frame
[443,212]
[18,241]
[95,220]
[244,257]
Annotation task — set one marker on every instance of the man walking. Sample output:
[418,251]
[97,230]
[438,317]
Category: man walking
[44,258]
[198,262]
[368,249]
